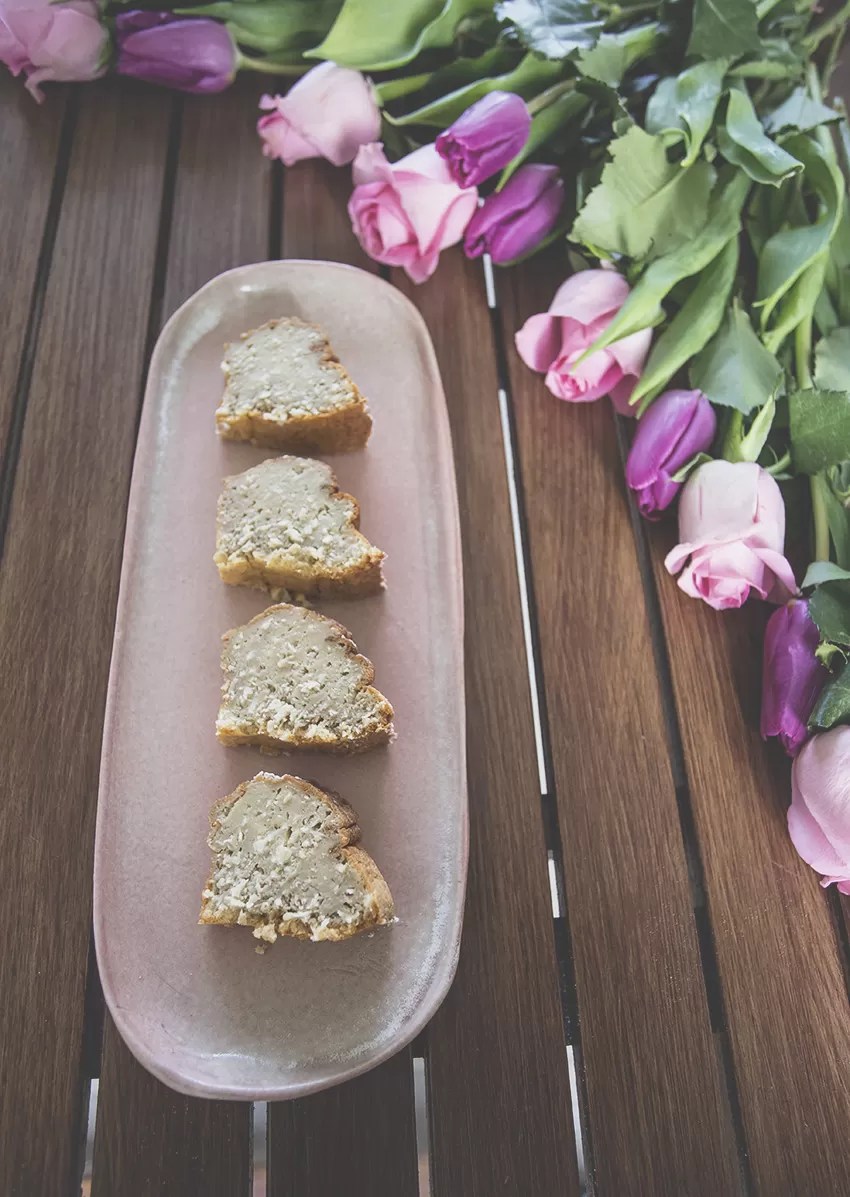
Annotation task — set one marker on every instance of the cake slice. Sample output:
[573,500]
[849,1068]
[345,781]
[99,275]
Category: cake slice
[285,388]
[285,523]
[285,863]
[294,679]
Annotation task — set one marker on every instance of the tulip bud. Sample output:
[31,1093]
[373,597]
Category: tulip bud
[159,47]
[485,138]
[513,221]
[792,676]
[677,426]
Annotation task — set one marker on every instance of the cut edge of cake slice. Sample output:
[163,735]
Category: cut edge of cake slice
[286,862]
[256,407]
[266,706]
[313,548]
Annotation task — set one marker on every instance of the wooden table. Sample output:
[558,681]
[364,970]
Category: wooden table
[644,957]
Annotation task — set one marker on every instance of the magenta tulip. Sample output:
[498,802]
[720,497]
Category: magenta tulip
[677,426]
[196,55]
[485,138]
[513,221]
[792,676]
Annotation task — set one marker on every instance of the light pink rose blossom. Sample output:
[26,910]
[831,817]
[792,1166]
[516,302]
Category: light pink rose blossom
[553,342]
[732,532]
[329,113]
[62,42]
[405,213]
[819,815]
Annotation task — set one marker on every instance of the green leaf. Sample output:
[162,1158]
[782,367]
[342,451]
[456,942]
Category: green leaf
[614,53]
[827,653]
[554,28]
[694,324]
[820,429]
[546,124]
[644,206]
[531,75]
[829,607]
[787,253]
[798,303]
[824,571]
[837,517]
[379,35]
[274,25]
[744,142]
[739,445]
[724,28]
[686,103]
[735,369]
[833,704]
[643,307]
[800,112]
[832,361]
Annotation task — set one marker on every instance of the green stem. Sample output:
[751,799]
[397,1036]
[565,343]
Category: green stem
[833,25]
[819,517]
[803,352]
[780,466]
[549,96]
[764,7]
[268,66]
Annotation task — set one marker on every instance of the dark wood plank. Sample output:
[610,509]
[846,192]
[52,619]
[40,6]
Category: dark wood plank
[361,1136]
[29,139]
[784,991]
[328,1144]
[58,587]
[158,1143]
[149,1139]
[222,195]
[657,1109]
[501,1120]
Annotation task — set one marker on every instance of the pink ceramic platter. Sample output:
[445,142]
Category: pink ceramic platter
[197,1005]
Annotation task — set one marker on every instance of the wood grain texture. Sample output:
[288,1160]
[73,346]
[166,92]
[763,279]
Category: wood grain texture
[360,1136]
[29,139]
[153,1142]
[149,1139]
[328,1143]
[222,194]
[784,991]
[657,1109]
[500,1112]
[58,587]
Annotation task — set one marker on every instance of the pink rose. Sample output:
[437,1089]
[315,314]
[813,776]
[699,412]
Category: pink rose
[553,341]
[404,213]
[819,815]
[329,113]
[63,42]
[732,527]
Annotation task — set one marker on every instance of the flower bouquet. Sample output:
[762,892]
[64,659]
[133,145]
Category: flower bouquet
[685,157]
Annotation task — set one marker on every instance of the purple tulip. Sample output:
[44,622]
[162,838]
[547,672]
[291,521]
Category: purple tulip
[512,221]
[792,676]
[677,426]
[485,137]
[190,54]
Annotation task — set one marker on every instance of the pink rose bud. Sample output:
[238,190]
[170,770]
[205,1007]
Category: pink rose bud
[511,222]
[404,213]
[195,55]
[792,676]
[52,42]
[819,815]
[329,113]
[732,529]
[554,342]
[677,426]
[485,138]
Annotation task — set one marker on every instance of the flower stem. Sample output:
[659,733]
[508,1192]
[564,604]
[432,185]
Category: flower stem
[549,96]
[779,466]
[803,352]
[268,66]
[819,517]
[833,25]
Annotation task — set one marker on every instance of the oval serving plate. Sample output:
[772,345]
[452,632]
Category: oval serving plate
[197,1005]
